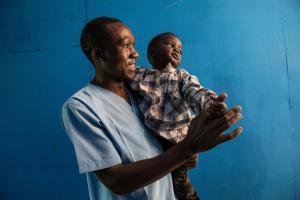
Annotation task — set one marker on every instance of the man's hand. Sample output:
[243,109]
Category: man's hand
[205,133]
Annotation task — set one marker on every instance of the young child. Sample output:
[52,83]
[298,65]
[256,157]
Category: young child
[167,96]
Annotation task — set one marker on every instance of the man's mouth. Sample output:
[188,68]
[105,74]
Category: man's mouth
[131,63]
[131,67]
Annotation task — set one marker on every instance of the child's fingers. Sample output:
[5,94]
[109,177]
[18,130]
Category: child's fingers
[222,97]
[219,98]
[192,162]
[216,108]
[218,105]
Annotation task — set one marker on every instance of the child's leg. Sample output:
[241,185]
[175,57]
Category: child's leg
[183,187]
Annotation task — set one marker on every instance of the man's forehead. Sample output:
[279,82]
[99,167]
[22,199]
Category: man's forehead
[118,31]
[115,25]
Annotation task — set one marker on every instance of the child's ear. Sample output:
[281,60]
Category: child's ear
[151,53]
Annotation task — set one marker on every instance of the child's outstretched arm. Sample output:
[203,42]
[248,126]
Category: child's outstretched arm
[198,98]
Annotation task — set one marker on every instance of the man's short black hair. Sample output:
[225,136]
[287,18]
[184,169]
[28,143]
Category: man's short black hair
[94,34]
[155,40]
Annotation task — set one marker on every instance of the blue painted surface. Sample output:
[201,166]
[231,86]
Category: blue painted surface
[250,49]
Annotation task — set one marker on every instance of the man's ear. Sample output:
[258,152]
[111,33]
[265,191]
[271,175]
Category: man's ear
[98,54]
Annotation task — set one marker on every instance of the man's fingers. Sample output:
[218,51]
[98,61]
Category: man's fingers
[224,121]
[228,123]
[226,137]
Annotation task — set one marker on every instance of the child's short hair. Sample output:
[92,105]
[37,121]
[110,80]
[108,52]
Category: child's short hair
[94,34]
[155,40]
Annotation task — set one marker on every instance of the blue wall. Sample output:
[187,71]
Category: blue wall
[250,49]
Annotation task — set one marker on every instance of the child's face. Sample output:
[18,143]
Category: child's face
[167,50]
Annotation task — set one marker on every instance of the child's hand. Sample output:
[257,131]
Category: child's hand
[192,162]
[216,106]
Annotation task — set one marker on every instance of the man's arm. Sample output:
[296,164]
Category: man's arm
[122,179]
[203,135]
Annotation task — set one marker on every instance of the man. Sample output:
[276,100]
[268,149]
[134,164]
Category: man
[121,158]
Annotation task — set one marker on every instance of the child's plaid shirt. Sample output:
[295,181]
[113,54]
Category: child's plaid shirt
[166,99]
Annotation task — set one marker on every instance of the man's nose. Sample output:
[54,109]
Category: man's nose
[134,54]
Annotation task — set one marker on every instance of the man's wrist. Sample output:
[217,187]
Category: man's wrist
[185,149]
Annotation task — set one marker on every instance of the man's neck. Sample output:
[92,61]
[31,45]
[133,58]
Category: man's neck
[116,87]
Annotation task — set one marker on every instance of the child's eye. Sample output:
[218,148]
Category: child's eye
[169,43]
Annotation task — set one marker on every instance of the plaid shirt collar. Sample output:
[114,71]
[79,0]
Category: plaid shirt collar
[169,68]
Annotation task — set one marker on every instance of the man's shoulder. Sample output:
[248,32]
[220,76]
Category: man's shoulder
[80,97]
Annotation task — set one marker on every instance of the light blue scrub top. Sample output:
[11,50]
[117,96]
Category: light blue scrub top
[105,131]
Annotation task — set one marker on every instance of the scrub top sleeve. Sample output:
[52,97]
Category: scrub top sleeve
[94,149]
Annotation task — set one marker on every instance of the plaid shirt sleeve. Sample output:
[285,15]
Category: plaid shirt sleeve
[195,94]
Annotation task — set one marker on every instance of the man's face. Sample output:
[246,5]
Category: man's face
[167,50]
[120,54]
